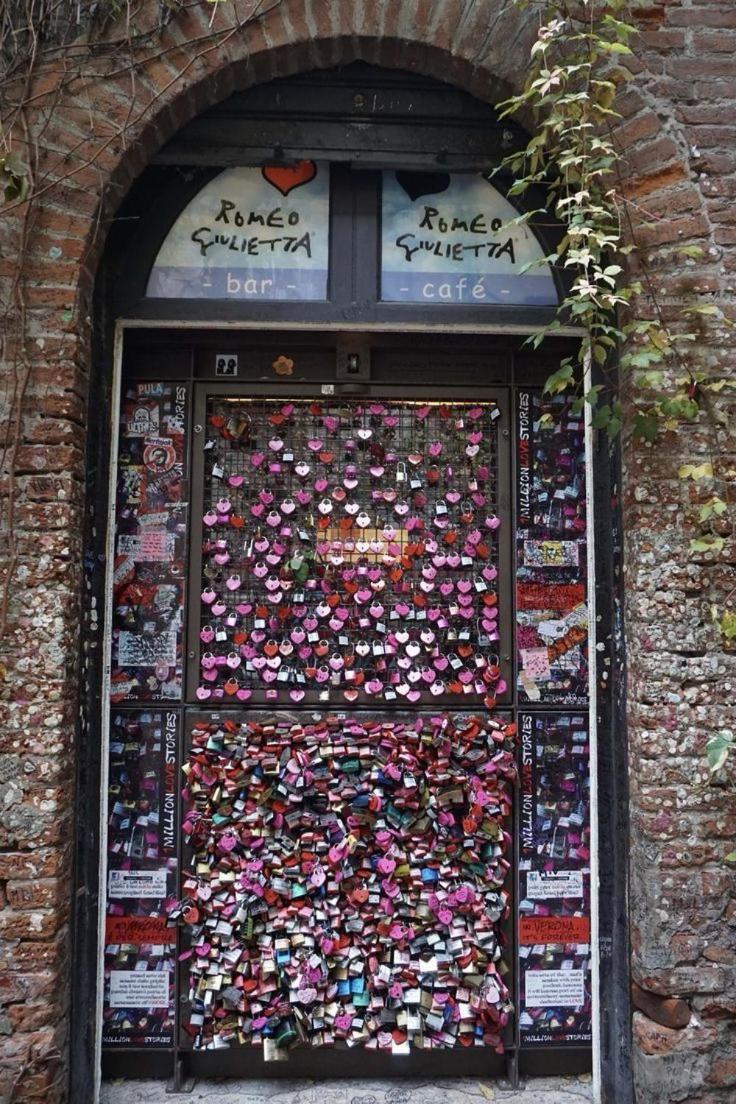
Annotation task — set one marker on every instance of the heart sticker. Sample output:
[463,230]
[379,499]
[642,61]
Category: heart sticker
[418,184]
[286,178]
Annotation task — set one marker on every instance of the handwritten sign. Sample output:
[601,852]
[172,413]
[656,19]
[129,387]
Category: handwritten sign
[564,597]
[446,239]
[249,234]
[150,546]
[535,662]
[139,989]
[553,929]
[554,988]
[147,651]
[138,929]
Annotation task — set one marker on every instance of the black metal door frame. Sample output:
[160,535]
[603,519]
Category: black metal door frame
[190,360]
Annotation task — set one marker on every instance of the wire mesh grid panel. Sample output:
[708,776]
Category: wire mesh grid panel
[350,552]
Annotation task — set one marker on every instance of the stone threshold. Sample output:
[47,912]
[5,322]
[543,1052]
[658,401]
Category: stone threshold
[539,1090]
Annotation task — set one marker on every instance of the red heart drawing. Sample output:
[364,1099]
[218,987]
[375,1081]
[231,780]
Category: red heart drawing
[286,179]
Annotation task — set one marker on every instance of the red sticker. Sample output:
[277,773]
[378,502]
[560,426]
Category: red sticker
[138,929]
[539,597]
[553,929]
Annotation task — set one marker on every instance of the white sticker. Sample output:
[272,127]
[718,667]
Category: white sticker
[143,421]
[554,988]
[158,520]
[551,553]
[136,989]
[564,883]
[123,571]
[553,629]
[136,883]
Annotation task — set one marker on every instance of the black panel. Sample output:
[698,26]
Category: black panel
[613,796]
[85,889]
[358,114]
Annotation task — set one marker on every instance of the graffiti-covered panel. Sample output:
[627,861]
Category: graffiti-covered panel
[554,879]
[551,552]
[150,544]
[142,846]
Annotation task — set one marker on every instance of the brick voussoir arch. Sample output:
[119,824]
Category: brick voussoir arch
[295,36]
[171,101]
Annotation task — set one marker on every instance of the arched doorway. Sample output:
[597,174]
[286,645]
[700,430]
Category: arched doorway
[350,351]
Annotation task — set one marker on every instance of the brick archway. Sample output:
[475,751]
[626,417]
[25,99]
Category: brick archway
[91,139]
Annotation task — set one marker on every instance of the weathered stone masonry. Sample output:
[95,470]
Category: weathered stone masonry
[678,140]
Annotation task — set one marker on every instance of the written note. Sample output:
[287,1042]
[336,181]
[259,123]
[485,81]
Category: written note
[554,988]
[148,546]
[543,887]
[138,929]
[139,989]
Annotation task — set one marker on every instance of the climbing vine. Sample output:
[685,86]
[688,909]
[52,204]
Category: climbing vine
[632,359]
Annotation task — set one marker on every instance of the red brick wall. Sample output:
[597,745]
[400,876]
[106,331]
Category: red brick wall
[682,155]
[91,138]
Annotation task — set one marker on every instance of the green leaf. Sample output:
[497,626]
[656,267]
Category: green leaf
[602,417]
[694,251]
[709,309]
[646,426]
[14,177]
[696,471]
[715,507]
[708,543]
[559,381]
[718,748]
[615,47]
[728,625]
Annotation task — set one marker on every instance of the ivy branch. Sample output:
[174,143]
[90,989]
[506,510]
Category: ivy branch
[642,362]
[578,65]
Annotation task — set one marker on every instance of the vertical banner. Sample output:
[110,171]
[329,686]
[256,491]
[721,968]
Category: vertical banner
[142,838]
[551,566]
[150,544]
[554,880]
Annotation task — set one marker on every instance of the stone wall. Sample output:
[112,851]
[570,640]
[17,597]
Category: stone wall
[90,138]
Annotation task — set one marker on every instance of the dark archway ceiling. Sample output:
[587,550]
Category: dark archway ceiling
[359,114]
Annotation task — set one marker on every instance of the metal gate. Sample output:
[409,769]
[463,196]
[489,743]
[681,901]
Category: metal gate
[342,875]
